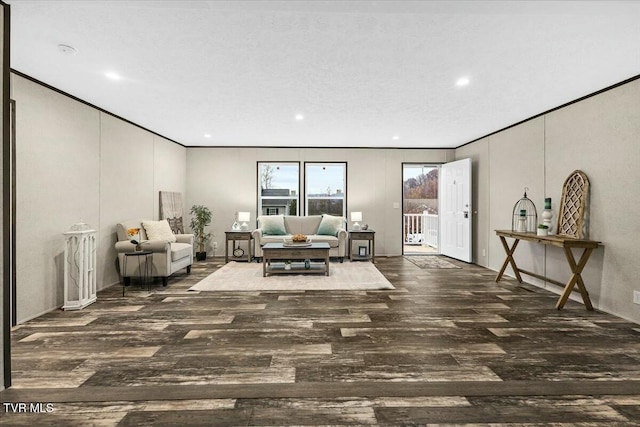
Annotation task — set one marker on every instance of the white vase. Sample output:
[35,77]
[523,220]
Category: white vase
[547,214]
[542,232]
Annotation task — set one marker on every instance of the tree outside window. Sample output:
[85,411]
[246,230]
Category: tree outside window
[279,185]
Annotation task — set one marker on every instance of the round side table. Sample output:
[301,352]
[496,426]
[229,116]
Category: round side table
[143,257]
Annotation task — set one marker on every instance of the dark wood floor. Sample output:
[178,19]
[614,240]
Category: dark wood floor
[447,347]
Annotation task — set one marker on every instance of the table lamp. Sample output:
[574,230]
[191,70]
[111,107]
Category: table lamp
[243,217]
[356,217]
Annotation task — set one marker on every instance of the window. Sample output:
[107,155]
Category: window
[278,188]
[325,188]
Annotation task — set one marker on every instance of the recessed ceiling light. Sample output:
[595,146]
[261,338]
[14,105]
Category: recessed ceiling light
[112,75]
[395,137]
[299,117]
[66,49]
[207,135]
[462,81]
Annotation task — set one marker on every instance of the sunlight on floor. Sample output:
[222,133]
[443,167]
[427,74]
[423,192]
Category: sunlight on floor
[419,249]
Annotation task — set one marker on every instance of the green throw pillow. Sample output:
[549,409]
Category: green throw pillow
[330,225]
[273,225]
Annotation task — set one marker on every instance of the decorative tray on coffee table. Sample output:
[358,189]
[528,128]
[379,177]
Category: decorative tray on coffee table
[296,244]
[297,241]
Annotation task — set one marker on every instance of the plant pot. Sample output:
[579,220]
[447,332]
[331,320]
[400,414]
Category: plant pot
[543,232]
[201,256]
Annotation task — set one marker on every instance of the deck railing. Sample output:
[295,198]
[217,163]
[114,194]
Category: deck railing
[421,229]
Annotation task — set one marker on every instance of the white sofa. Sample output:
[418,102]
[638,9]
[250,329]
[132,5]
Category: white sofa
[307,225]
[167,257]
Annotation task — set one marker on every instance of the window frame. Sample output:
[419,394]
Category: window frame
[260,197]
[344,190]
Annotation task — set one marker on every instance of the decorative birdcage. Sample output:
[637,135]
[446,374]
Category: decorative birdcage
[525,215]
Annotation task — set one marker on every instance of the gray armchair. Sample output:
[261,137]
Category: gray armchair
[167,257]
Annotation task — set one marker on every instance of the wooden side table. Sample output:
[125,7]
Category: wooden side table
[370,237]
[233,236]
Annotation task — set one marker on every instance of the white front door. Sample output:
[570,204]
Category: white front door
[455,208]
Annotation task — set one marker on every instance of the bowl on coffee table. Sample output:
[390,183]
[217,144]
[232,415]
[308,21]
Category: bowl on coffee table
[297,239]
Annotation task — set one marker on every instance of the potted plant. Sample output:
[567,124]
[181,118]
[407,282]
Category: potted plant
[543,230]
[200,218]
[134,237]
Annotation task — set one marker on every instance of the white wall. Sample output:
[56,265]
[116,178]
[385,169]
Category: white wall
[225,180]
[57,185]
[75,163]
[126,185]
[516,158]
[600,136]
[169,170]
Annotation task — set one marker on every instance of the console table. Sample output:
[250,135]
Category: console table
[564,242]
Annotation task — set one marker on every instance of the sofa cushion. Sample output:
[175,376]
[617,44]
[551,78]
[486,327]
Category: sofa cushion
[330,225]
[331,240]
[315,238]
[273,225]
[159,230]
[180,250]
[273,239]
[302,224]
[176,225]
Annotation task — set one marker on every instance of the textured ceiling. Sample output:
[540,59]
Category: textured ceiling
[361,72]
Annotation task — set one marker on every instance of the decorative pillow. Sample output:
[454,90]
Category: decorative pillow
[159,230]
[273,225]
[330,225]
[176,225]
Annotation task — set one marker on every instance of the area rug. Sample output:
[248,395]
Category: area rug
[348,276]
[430,261]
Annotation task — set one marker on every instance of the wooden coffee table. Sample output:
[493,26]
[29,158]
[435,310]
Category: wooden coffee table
[281,252]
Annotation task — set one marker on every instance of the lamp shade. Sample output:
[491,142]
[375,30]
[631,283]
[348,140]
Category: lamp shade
[244,216]
[356,216]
